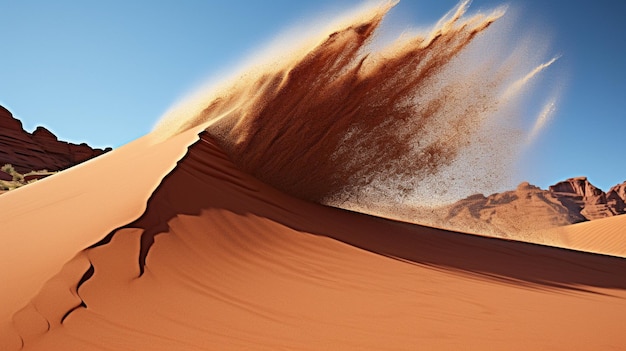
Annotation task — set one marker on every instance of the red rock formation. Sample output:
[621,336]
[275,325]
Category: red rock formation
[529,208]
[5,176]
[31,177]
[616,198]
[620,190]
[7,121]
[39,150]
[580,196]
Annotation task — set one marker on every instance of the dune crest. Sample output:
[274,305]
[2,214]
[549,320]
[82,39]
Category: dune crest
[231,263]
[47,223]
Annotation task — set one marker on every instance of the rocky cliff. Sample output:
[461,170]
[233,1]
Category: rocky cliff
[616,198]
[39,150]
[583,199]
[529,208]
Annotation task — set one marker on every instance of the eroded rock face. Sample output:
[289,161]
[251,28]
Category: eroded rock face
[39,150]
[8,122]
[619,190]
[616,197]
[5,176]
[580,196]
[529,208]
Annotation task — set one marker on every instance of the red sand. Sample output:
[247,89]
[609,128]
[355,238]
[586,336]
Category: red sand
[217,259]
[240,265]
[605,236]
[48,222]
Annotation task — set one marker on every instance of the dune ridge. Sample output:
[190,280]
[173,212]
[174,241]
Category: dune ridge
[605,236]
[233,263]
[47,223]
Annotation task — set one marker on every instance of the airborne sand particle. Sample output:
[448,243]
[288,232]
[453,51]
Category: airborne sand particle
[429,118]
[543,118]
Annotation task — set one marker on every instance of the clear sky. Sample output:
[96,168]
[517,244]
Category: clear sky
[103,72]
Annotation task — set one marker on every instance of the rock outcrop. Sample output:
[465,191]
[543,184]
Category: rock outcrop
[581,197]
[529,208]
[616,197]
[39,150]
[5,176]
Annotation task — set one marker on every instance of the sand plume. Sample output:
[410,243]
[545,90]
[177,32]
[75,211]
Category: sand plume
[341,123]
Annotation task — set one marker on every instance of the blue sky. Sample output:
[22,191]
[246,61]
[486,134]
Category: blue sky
[104,72]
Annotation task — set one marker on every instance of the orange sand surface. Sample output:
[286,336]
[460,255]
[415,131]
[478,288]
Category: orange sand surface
[134,251]
[219,260]
[606,236]
[45,224]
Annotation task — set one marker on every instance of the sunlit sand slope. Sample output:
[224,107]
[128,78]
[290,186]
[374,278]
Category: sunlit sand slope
[221,261]
[606,236]
[46,223]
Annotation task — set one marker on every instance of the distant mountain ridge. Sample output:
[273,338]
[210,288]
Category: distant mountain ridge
[39,150]
[529,208]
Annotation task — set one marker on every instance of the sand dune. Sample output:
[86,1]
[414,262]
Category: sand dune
[174,242]
[48,222]
[606,236]
[222,261]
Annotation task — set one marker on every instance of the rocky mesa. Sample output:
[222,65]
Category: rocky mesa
[38,150]
[529,208]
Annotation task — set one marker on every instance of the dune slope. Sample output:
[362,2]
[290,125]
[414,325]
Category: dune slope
[606,236]
[209,257]
[48,222]
[221,261]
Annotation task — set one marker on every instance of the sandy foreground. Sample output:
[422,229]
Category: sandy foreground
[47,223]
[219,260]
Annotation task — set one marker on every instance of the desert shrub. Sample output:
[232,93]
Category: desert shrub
[18,179]
[9,169]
